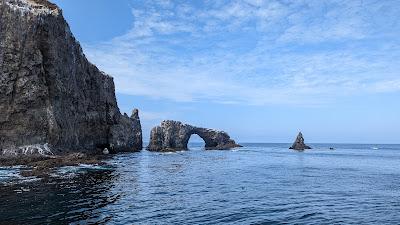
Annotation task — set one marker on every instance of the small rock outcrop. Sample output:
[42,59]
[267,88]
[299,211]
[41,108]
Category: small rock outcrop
[174,136]
[127,132]
[52,99]
[299,143]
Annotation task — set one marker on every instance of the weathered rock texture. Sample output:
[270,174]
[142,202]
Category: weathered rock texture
[299,143]
[51,97]
[174,136]
[128,132]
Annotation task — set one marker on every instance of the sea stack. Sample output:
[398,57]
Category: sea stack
[174,136]
[299,143]
[52,99]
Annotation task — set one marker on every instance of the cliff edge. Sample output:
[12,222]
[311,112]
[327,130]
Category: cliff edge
[52,99]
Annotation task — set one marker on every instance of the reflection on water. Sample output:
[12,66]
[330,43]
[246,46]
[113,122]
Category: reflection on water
[260,183]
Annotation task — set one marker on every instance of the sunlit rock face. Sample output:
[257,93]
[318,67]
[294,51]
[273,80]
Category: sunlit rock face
[50,94]
[174,135]
[299,143]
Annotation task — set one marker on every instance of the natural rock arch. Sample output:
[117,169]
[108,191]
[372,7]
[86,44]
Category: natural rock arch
[174,135]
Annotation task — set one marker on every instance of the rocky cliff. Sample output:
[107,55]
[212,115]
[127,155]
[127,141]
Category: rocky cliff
[174,135]
[51,97]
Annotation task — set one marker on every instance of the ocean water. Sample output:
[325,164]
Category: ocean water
[256,184]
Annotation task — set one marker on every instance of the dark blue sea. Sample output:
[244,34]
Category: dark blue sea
[256,184]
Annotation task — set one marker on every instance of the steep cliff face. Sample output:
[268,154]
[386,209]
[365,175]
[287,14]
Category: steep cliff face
[50,95]
[174,135]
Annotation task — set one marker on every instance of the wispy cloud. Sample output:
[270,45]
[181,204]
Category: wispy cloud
[255,52]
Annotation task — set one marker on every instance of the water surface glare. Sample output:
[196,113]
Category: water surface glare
[256,184]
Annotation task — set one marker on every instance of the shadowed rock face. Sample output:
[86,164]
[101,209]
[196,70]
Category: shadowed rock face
[50,95]
[127,132]
[299,143]
[174,136]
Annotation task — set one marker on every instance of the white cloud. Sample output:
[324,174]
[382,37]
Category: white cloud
[252,52]
[154,116]
[388,86]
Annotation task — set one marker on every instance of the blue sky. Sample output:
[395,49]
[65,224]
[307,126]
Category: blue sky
[260,70]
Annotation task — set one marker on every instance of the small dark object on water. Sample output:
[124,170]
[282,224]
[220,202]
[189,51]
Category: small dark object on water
[331,148]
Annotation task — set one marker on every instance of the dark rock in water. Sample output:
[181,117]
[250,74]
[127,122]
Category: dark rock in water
[137,130]
[52,99]
[43,165]
[174,136]
[127,132]
[299,143]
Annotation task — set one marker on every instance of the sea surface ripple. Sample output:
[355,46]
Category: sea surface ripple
[256,184]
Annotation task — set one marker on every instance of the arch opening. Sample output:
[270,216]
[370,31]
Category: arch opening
[196,142]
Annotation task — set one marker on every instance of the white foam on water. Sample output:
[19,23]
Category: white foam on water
[9,173]
[72,171]
[12,176]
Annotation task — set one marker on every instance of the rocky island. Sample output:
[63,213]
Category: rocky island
[299,143]
[174,136]
[53,101]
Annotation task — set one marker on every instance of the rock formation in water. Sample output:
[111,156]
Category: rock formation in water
[128,132]
[52,99]
[174,135]
[299,143]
